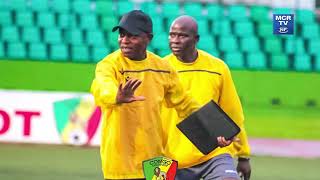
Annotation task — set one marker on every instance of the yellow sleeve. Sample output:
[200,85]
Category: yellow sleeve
[105,86]
[176,97]
[229,101]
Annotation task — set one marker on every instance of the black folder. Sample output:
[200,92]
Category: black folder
[206,124]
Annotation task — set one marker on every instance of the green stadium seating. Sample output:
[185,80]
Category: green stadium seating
[58,52]
[1,50]
[310,31]
[222,27]
[67,21]
[305,16]
[61,6]
[249,44]
[17,5]
[80,54]
[31,35]
[272,45]
[282,11]
[158,25]
[279,62]
[88,22]
[113,40]
[294,46]
[314,46]
[149,7]
[104,8]
[234,60]
[170,9]
[98,53]
[228,43]
[124,7]
[10,34]
[39,5]
[52,36]
[81,6]
[257,60]
[215,12]
[302,62]
[24,18]
[95,38]
[237,12]
[164,52]
[108,22]
[317,63]
[203,27]
[5,18]
[193,9]
[259,13]
[74,37]
[243,29]
[265,29]
[46,20]
[160,41]
[38,51]
[17,50]
[206,42]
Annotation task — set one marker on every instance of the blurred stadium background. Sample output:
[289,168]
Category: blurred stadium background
[49,48]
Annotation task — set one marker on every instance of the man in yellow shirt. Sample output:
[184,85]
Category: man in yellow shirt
[206,78]
[131,127]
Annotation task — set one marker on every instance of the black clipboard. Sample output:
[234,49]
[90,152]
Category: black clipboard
[206,124]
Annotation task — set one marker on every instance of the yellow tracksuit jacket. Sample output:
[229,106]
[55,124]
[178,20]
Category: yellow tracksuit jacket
[207,78]
[132,132]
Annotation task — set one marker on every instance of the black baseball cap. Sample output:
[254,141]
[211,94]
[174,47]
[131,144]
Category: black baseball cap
[135,22]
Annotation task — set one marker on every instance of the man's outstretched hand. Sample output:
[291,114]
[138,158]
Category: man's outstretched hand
[126,93]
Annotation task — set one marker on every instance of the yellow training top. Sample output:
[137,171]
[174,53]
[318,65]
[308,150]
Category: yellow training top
[207,78]
[132,132]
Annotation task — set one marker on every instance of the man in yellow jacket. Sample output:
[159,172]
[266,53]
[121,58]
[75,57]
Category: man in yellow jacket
[206,78]
[131,127]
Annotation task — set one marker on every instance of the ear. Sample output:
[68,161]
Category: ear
[150,36]
[197,38]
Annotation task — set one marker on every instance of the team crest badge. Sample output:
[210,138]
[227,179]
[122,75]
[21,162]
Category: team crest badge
[160,168]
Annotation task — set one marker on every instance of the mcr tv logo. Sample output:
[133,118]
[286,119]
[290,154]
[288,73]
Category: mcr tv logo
[283,23]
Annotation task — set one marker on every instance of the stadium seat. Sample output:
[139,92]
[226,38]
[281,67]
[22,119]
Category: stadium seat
[305,16]
[310,31]
[259,13]
[170,9]
[80,54]
[38,51]
[98,53]
[24,18]
[215,12]
[124,7]
[81,6]
[67,21]
[272,45]
[95,38]
[158,25]
[222,27]
[10,34]
[17,5]
[317,63]
[163,52]
[243,29]
[5,18]
[113,40]
[257,61]
[58,52]
[108,22]
[39,5]
[314,46]
[74,36]
[249,44]
[237,13]
[203,27]
[60,6]
[282,11]
[279,62]
[206,43]
[104,8]
[46,20]
[31,34]
[265,29]
[16,50]
[234,60]
[228,43]
[1,49]
[160,41]
[302,62]
[149,7]
[193,9]
[294,46]
[88,22]
[52,36]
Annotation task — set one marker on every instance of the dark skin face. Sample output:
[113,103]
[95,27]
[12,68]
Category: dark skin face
[133,46]
[183,38]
